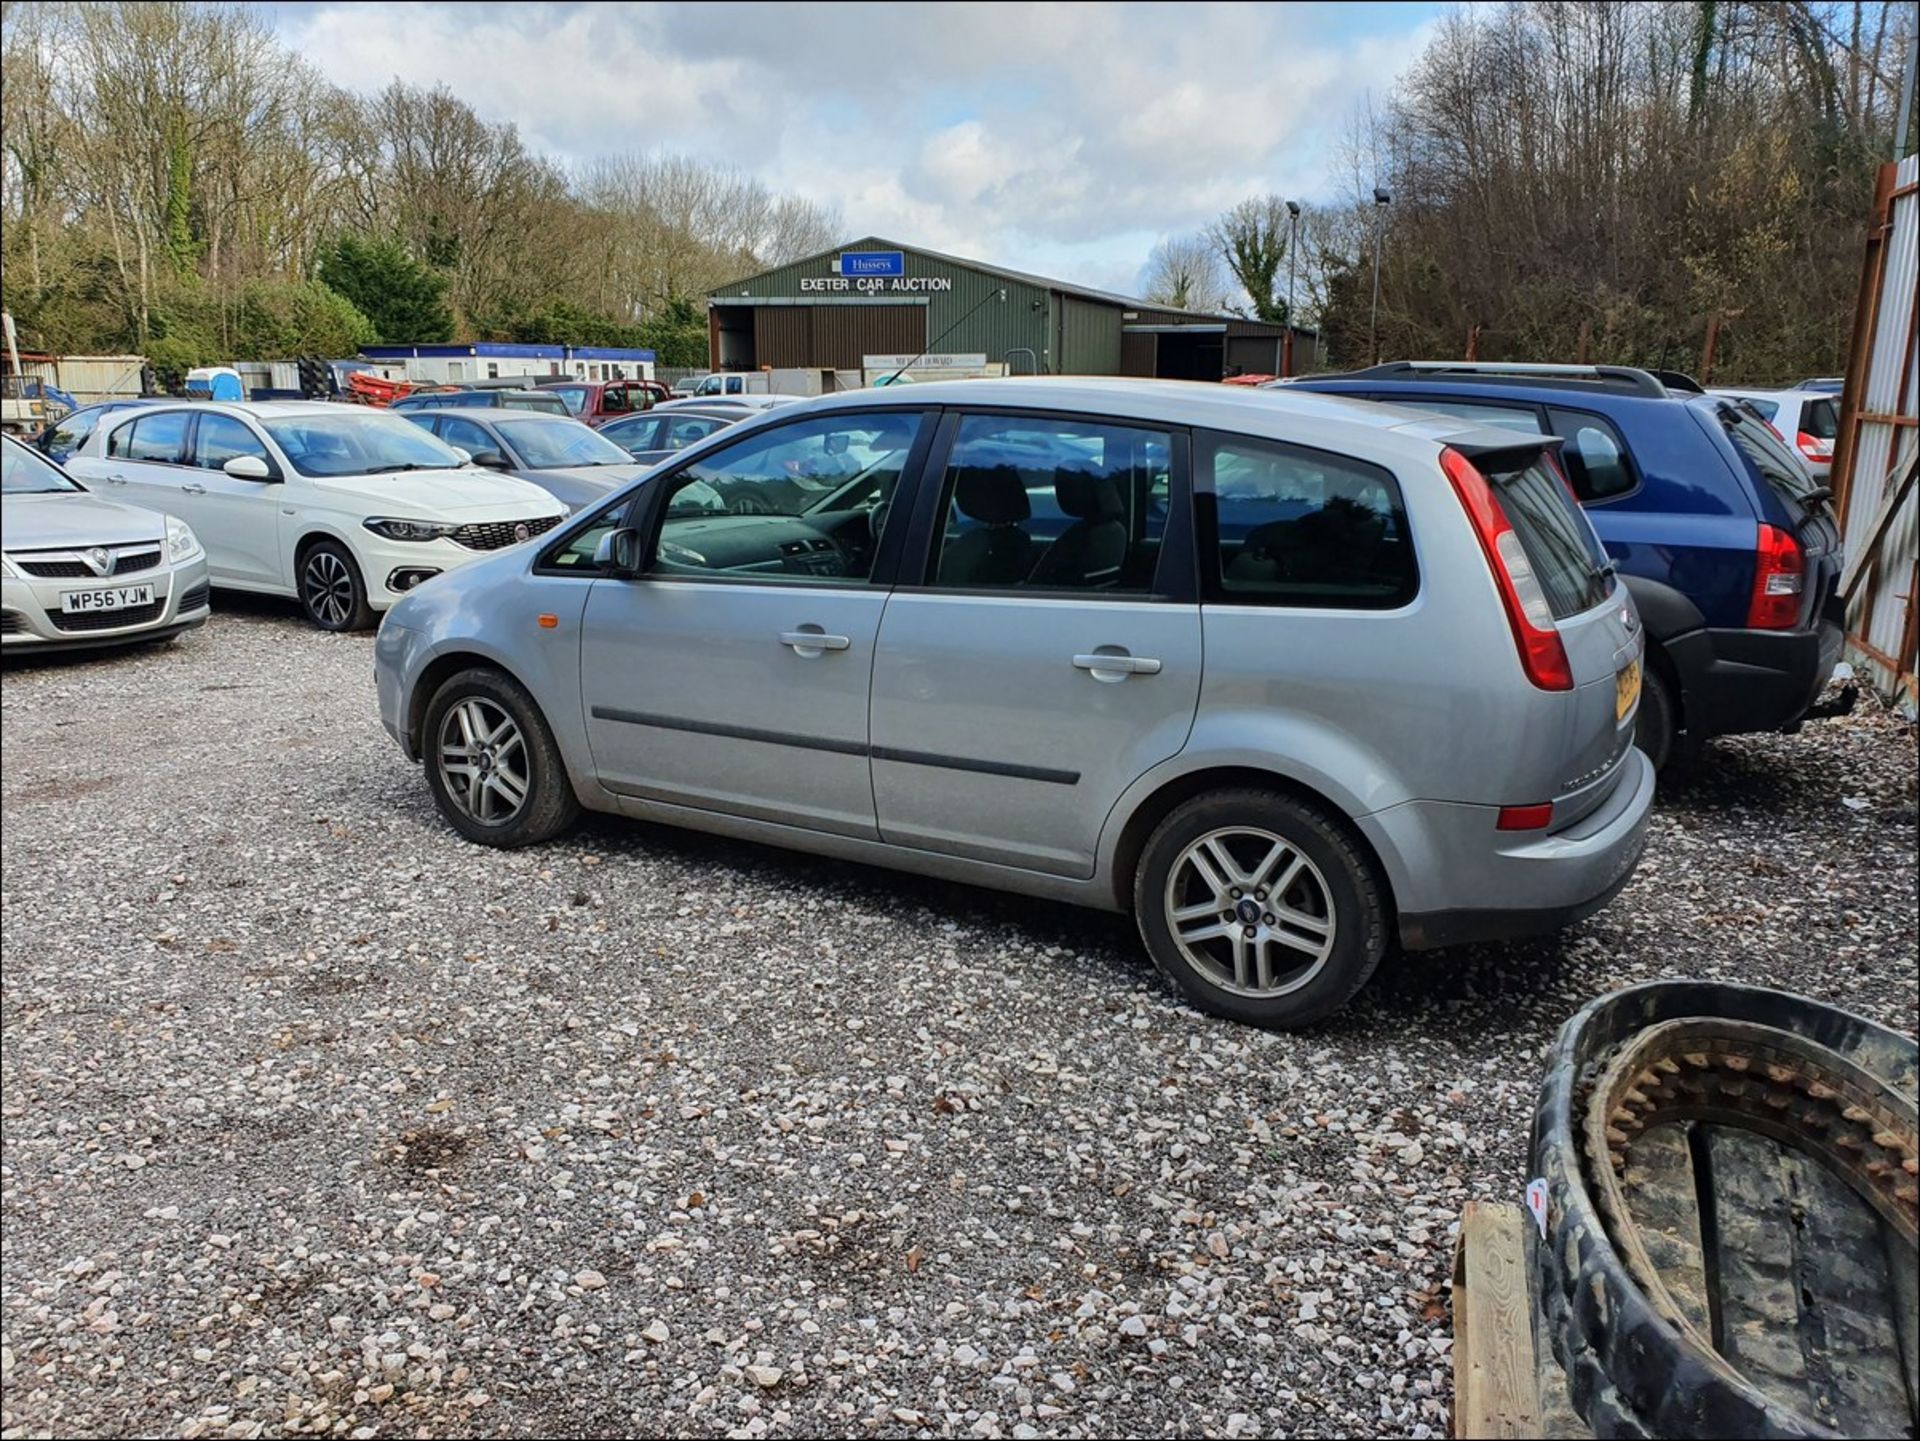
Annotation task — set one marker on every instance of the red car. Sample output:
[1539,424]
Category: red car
[598,401]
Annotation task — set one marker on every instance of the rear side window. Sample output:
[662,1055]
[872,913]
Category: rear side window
[157,437]
[1768,457]
[1293,526]
[1565,554]
[1595,456]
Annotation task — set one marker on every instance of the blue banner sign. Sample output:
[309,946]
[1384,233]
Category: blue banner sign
[872,262]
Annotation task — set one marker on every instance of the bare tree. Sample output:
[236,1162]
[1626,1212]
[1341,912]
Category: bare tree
[1252,240]
[1184,271]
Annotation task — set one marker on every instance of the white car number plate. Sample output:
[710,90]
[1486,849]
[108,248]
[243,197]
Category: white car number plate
[123,597]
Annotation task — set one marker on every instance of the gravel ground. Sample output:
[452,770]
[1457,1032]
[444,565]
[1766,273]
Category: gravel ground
[319,1120]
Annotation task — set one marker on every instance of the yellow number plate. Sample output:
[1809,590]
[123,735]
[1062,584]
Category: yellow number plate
[1626,690]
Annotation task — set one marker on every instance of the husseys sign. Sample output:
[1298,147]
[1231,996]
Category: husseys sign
[872,272]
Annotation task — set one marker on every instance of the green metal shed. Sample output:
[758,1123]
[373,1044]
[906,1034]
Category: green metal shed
[877,297]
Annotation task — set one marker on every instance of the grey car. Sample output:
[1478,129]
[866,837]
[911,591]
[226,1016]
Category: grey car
[1286,677]
[561,455]
[652,437]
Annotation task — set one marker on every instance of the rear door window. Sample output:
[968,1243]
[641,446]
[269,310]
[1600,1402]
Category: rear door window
[158,438]
[1565,554]
[1292,526]
[1595,455]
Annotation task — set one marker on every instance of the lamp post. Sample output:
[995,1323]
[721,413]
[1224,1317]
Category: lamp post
[1381,200]
[1293,253]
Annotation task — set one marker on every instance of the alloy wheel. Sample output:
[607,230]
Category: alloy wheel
[483,761]
[329,588]
[1250,912]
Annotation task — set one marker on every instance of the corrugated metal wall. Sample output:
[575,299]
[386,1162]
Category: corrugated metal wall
[1089,337]
[1138,353]
[1880,443]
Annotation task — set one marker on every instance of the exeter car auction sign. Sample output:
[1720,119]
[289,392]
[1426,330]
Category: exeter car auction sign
[873,272]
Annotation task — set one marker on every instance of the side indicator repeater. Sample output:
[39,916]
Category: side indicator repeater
[549,622]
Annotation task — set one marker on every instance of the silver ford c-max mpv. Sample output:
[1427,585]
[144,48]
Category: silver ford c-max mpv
[1286,676]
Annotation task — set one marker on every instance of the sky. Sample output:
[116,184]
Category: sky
[1063,139]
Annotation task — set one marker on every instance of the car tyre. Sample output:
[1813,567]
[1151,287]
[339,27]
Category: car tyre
[1654,728]
[1315,932]
[492,763]
[331,590]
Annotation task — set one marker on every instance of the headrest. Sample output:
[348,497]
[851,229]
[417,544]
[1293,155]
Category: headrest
[992,495]
[1087,496]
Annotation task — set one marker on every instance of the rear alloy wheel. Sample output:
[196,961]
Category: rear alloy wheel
[331,591]
[1259,907]
[492,764]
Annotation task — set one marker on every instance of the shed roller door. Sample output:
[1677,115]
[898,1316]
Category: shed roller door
[843,334]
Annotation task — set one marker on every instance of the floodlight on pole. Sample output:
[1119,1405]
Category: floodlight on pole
[1293,254]
[1381,200]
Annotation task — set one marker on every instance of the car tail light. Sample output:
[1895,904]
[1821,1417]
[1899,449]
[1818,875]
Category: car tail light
[1779,575]
[1542,655]
[1813,447]
[1525,818]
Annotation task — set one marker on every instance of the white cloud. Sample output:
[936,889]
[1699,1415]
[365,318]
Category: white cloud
[1033,134]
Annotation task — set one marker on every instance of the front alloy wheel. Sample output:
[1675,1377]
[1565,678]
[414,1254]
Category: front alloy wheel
[483,761]
[492,763]
[331,590]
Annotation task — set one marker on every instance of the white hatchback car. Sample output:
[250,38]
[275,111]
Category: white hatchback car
[342,507]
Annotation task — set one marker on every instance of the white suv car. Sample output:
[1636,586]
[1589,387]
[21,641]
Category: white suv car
[342,507]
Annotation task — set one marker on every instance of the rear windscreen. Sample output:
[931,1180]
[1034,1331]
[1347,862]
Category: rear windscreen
[1566,555]
[1767,455]
[1820,419]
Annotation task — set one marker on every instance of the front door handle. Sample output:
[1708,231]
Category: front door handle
[193,488]
[811,643]
[1105,665]
[116,480]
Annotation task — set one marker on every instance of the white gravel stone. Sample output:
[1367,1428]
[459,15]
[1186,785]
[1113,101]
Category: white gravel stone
[877,1137]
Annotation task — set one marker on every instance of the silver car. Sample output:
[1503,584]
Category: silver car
[81,571]
[1287,677]
[566,458]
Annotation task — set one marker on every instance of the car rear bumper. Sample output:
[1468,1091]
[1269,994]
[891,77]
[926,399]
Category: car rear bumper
[1740,682]
[1458,879]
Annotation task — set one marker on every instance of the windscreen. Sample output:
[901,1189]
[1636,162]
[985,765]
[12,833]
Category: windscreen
[1567,557]
[1767,455]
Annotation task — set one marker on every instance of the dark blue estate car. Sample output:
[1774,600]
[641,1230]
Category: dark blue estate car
[1728,545]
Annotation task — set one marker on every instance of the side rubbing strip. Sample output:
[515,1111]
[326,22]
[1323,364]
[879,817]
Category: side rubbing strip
[738,733]
[985,768]
[838,747]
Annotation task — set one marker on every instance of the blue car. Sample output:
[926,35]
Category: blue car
[1727,543]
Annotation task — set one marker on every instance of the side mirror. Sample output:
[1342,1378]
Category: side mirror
[248,467]
[491,459]
[619,552]
[461,457]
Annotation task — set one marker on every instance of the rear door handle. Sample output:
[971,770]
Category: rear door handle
[813,642]
[1116,667]
[193,488]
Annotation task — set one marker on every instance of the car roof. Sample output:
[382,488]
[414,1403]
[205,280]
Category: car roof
[1286,414]
[491,414]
